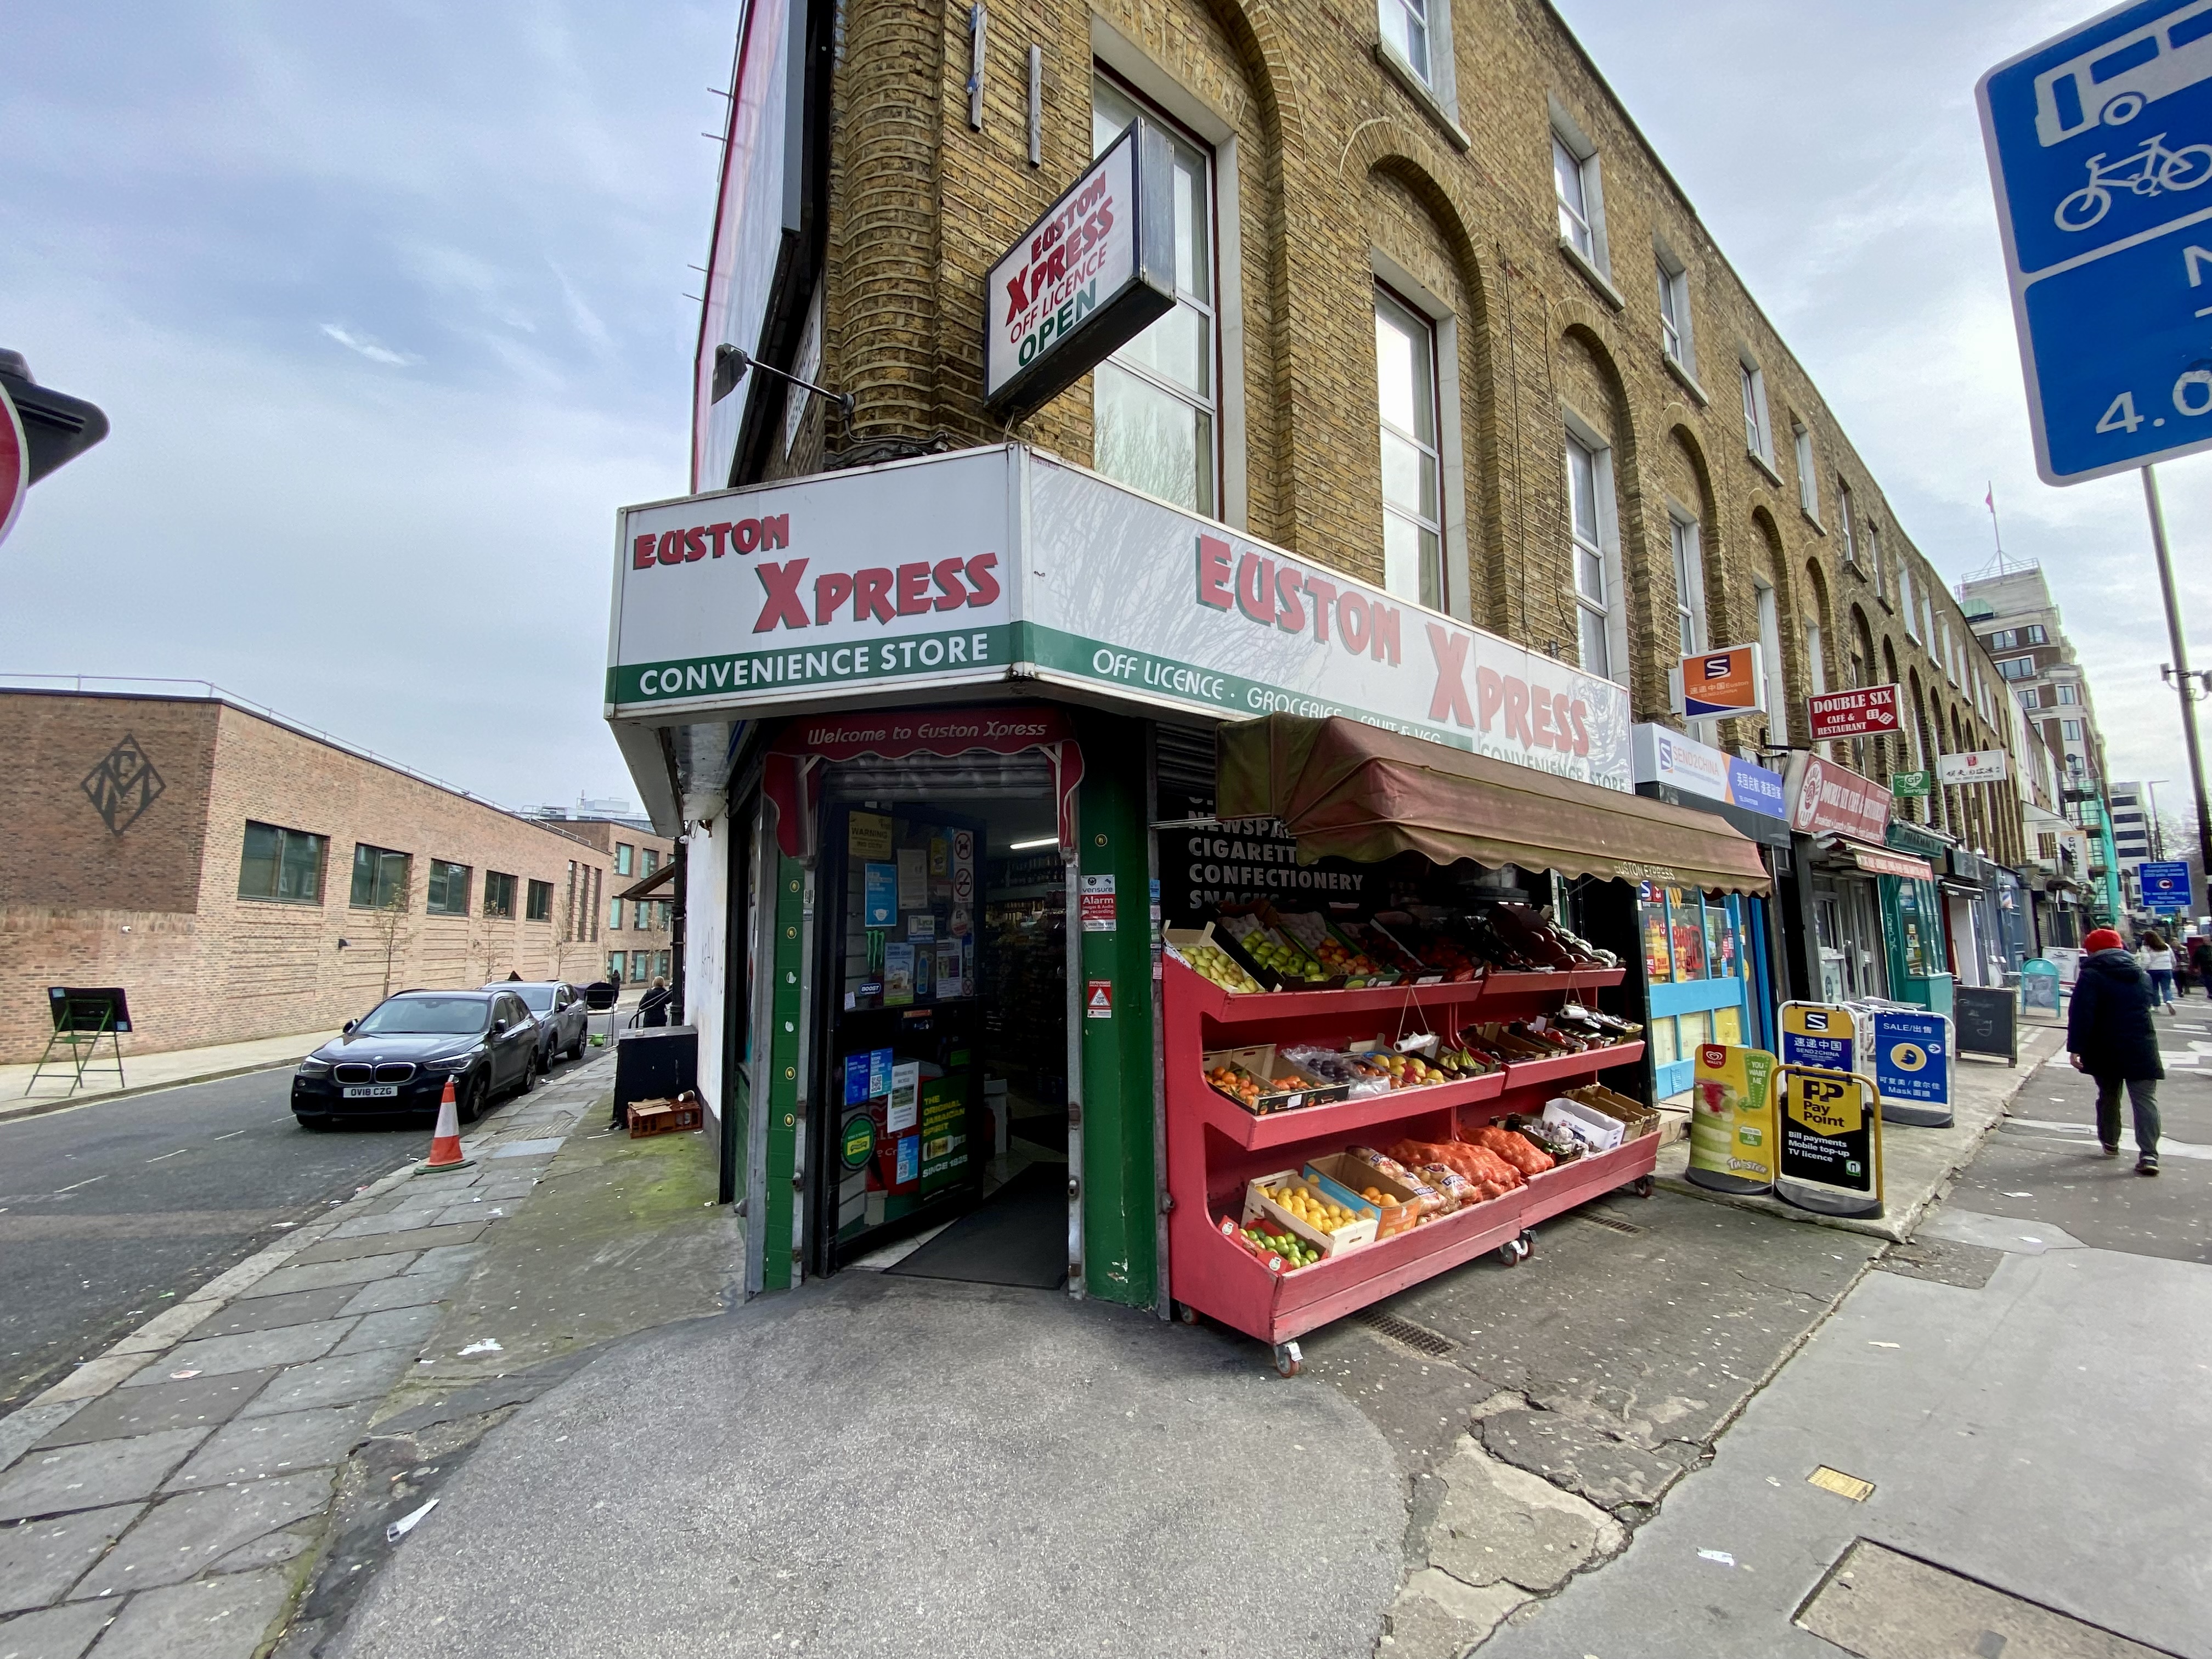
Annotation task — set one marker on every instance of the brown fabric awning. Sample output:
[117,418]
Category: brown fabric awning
[1349,790]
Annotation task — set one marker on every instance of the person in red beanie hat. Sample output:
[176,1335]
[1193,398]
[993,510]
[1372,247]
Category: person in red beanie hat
[2110,1036]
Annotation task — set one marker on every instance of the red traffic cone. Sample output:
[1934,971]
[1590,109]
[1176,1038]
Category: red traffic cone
[446,1142]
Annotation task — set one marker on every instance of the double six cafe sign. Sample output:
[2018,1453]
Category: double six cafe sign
[1869,712]
[1085,280]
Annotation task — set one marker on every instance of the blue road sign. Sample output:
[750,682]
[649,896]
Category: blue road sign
[2166,886]
[2101,149]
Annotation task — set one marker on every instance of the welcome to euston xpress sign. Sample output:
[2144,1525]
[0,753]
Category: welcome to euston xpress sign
[993,565]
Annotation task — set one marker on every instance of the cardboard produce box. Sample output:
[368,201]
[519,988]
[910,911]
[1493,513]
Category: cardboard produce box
[1586,1124]
[1204,955]
[1346,1179]
[1258,1204]
[1260,1065]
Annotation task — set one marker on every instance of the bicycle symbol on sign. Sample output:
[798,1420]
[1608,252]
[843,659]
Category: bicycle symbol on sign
[2151,169]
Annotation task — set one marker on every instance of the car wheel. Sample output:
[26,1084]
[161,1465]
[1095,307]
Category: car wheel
[473,1095]
[529,1073]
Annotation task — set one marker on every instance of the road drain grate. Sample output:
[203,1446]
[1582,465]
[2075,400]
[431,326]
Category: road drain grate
[1611,1221]
[1418,1337]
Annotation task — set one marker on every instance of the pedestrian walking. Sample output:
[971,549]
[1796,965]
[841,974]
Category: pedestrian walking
[652,1007]
[2110,1037]
[2158,962]
[2200,959]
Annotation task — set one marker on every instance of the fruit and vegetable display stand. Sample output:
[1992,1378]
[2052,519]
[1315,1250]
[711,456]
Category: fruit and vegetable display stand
[1217,1148]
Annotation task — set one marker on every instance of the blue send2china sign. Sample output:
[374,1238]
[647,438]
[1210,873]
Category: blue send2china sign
[2099,143]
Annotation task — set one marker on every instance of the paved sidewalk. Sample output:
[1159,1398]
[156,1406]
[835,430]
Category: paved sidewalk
[1919,1165]
[165,1498]
[142,1073]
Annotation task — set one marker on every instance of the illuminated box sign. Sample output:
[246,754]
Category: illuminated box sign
[1972,766]
[1826,799]
[997,564]
[1085,280]
[1664,756]
[1870,711]
[1719,683]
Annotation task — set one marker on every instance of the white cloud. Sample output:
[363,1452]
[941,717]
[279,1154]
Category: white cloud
[367,348]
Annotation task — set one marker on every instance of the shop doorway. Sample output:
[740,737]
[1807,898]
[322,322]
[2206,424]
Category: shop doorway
[942,994]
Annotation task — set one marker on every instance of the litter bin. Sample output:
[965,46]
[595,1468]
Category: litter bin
[654,1063]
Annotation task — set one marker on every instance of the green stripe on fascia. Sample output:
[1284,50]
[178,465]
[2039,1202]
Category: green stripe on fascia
[1156,678]
[947,650]
[774,1235]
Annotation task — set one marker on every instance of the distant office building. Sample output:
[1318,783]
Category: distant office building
[241,878]
[2135,838]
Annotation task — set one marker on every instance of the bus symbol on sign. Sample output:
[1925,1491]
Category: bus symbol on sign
[2112,84]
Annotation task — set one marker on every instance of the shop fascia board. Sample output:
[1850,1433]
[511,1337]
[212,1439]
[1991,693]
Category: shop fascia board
[1058,579]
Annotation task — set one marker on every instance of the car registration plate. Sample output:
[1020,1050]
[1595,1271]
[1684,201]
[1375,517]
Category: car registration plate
[372,1091]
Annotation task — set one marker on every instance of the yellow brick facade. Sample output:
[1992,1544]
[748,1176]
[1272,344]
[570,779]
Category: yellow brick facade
[1334,165]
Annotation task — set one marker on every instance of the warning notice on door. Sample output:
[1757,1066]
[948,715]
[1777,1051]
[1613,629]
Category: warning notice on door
[1098,1001]
[1097,901]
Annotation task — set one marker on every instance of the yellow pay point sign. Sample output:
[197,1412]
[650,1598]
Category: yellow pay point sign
[1830,1158]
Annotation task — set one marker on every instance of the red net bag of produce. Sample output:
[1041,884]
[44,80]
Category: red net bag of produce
[1517,1150]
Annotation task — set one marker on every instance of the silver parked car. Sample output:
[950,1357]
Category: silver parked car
[564,1022]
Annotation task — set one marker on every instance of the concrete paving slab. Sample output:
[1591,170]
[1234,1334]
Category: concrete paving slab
[395,1327]
[198,1402]
[1997,1232]
[95,1376]
[255,1448]
[263,1313]
[182,1536]
[2036,1436]
[288,1345]
[406,1291]
[542,1146]
[27,1425]
[397,1220]
[493,1210]
[447,1258]
[339,1380]
[1882,1605]
[41,1560]
[272,1549]
[91,1477]
[359,1271]
[348,1249]
[56,1633]
[171,1324]
[223,1617]
[937,1443]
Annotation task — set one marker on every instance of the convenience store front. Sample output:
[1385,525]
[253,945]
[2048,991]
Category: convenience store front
[934,729]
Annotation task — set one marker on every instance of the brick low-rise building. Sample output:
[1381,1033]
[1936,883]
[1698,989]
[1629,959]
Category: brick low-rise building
[640,934]
[241,877]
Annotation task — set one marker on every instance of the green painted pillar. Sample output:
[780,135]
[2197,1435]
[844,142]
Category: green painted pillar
[773,1234]
[1120,1253]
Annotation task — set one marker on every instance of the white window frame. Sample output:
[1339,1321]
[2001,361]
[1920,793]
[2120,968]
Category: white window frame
[1685,544]
[1678,335]
[1770,641]
[1583,433]
[1874,560]
[1816,659]
[1847,525]
[1437,75]
[2026,664]
[1808,477]
[1409,290]
[1580,152]
[2065,696]
[1758,422]
[1950,653]
[2072,731]
[1139,68]
[2030,696]
[1435,527]
[1905,599]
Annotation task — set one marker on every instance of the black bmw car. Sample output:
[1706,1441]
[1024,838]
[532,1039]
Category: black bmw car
[396,1058]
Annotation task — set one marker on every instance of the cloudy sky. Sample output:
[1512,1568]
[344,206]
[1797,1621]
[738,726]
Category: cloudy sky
[386,304]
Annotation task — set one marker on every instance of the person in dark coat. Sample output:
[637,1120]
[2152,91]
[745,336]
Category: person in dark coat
[2110,1036]
[652,1007]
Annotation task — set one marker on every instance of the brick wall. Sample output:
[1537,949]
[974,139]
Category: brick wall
[655,937]
[164,919]
[1335,161]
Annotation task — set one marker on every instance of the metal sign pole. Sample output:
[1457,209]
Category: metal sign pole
[2181,682]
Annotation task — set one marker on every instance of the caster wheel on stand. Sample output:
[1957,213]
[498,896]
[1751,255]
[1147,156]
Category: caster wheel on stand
[1515,1251]
[1288,1360]
[1186,1312]
[1642,1186]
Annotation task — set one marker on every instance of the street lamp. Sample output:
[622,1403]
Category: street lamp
[2193,686]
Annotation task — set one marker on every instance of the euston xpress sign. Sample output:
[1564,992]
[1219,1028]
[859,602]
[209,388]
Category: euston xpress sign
[1085,280]
[1000,563]
[2099,143]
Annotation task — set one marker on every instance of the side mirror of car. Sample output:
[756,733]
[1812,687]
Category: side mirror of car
[347,1029]
[498,1025]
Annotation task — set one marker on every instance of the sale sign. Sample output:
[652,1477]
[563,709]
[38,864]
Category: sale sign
[1869,712]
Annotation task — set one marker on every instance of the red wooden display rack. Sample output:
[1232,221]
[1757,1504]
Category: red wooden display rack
[1215,1147]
